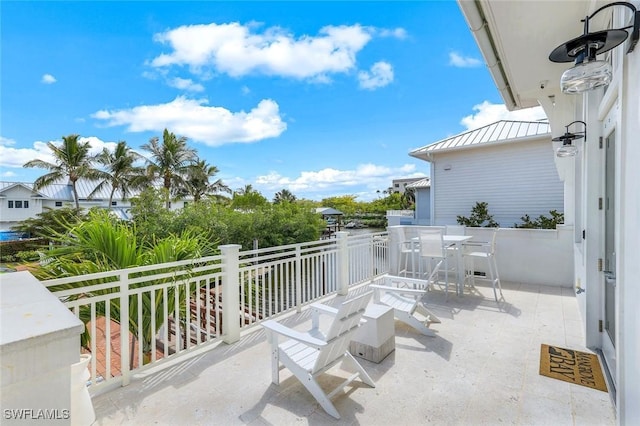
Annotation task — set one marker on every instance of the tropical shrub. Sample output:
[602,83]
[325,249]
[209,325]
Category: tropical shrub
[542,222]
[104,243]
[479,217]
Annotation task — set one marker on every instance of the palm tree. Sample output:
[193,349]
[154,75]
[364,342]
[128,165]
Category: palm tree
[72,161]
[408,197]
[284,196]
[197,180]
[169,161]
[248,198]
[120,170]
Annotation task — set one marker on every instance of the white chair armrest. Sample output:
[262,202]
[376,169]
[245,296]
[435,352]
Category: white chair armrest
[324,309]
[316,310]
[399,290]
[306,338]
[475,243]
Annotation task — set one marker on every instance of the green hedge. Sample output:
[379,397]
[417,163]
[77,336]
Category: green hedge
[11,248]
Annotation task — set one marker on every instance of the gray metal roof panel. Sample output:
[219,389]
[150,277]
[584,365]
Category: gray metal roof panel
[500,131]
[422,183]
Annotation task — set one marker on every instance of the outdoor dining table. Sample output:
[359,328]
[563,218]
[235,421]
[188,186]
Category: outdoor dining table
[451,242]
[455,242]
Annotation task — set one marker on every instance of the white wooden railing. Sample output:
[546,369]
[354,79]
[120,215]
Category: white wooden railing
[173,308]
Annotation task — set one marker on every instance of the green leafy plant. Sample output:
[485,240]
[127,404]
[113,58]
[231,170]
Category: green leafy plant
[480,217]
[542,222]
[103,243]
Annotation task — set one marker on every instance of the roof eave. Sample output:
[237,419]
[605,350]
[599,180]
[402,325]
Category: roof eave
[428,155]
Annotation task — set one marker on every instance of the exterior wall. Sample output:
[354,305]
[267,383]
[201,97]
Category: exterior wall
[18,193]
[423,206]
[617,107]
[629,246]
[400,217]
[37,349]
[514,179]
[530,256]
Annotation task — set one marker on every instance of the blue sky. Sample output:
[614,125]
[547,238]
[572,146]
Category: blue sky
[321,98]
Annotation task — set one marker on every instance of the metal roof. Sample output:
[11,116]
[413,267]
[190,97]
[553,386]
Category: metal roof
[499,132]
[63,191]
[422,183]
[53,191]
[328,211]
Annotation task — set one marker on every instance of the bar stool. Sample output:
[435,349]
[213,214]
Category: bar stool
[486,251]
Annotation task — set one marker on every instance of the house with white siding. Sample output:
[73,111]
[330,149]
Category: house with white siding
[20,201]
[508,164]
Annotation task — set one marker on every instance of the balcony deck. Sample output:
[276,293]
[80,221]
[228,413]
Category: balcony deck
[481,368]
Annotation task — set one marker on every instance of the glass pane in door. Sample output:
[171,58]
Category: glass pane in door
[610,255]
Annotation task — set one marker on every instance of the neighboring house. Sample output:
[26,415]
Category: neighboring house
[398,186]
[508,164]
[19,201]
[602,199]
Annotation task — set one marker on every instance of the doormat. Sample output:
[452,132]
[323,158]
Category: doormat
[571,366]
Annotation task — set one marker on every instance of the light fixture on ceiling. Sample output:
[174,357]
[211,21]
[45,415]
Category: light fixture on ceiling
[589,73]
[568,149]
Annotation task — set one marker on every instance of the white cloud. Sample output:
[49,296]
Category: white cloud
[48,79]
[6,141]
[186,84]
[399,33]
[487,113]
[8,174]
[381,74]
[17,157]
[196,120]
[238,50]
[245,90]
[370,176]
[457,60]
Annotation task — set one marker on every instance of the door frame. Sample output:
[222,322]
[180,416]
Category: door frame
[608,348]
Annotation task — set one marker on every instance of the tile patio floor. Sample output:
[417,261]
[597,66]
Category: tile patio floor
[480,369]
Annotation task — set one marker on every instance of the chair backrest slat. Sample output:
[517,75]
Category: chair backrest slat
[431,244]
[345,323]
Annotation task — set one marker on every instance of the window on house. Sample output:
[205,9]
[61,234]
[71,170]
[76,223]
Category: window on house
[58,203]
[114,203]
[185,203]
[169,204]
[18,204]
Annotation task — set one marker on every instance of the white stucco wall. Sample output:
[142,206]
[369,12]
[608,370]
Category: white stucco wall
[629,246]
[530,256]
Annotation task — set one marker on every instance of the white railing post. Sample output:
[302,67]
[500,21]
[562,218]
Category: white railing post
[125,368]
[343,263]
[230,293]
[298,283]
[373,250]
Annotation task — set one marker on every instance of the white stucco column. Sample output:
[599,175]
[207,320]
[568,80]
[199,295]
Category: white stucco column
[231,293]
[39,340]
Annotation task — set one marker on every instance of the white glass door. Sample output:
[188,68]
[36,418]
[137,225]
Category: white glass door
[609,326]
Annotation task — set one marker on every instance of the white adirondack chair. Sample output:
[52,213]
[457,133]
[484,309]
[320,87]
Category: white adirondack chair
[309,354]
[404,296]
